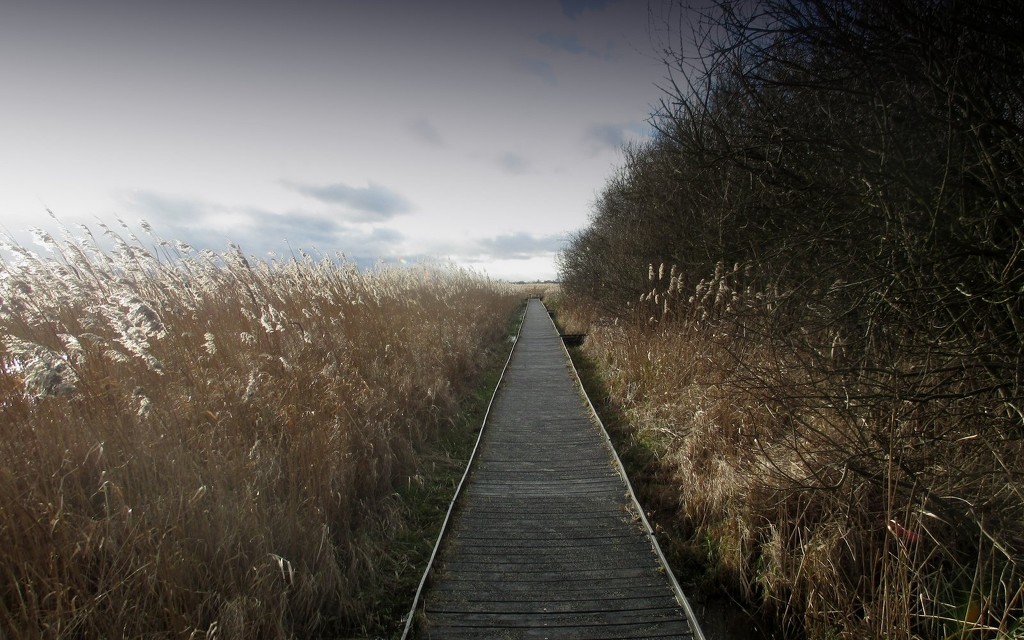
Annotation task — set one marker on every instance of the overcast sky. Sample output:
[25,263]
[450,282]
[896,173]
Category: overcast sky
[476,131]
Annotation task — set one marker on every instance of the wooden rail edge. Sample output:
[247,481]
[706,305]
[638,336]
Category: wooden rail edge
[678,590]
[410,617]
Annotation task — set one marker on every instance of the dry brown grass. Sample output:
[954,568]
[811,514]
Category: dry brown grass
[843,516]
[201,445]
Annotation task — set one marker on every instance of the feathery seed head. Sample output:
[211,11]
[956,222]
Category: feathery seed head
[209,345]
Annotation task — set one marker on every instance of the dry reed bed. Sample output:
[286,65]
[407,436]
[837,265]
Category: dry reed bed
[205,445]
[843,512]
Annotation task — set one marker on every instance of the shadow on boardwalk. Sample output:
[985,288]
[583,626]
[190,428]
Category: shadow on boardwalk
[546,540]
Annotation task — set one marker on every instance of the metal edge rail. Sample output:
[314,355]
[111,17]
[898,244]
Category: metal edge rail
[680,596]
[410,617]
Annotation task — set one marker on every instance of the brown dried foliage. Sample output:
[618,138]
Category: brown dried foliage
[201,445]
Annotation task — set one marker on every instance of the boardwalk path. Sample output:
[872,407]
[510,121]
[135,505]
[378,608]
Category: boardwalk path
[543,543]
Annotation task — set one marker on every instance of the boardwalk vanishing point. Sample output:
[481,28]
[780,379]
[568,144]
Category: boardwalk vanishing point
[545,538]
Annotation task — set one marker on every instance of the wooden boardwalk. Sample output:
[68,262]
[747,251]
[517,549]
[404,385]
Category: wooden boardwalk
[545,540]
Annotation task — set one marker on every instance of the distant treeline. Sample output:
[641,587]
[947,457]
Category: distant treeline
[849,175]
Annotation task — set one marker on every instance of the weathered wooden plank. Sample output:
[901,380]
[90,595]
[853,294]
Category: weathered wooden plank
[538,554]
[544,542]
[557,619]
[561,590]
[574,633]
[573,559]
[580,595]
[667,629]
[564,602]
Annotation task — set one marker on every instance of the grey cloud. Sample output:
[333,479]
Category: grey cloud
[273,231]
[569,43]
[509,246]
[520,246]
[257,231]
[575,8]
[304,228]
[426,132]
[373,202]
[540,68]
[607,135]
[515,164]
[163,206]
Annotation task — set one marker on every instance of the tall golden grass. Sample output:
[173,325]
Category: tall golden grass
[863,517]
[208,445]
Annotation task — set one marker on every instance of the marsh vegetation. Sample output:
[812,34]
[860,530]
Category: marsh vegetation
[208,445]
